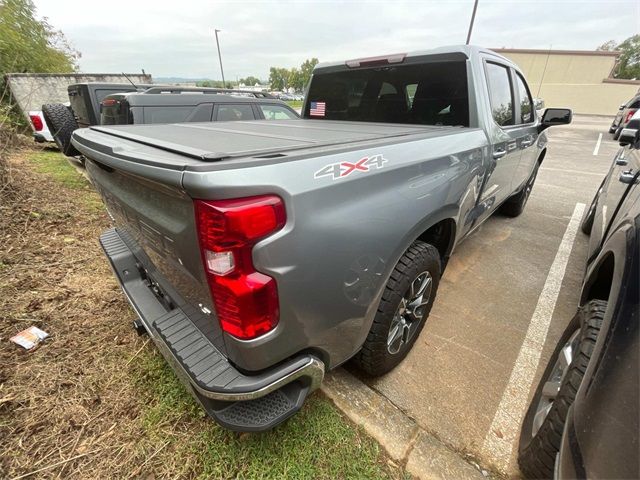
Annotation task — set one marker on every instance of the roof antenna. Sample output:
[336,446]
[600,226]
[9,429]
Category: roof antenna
[130,81]
[544,71]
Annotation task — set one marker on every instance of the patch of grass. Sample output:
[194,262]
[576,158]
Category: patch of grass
[297,104]
[316,443]
[56,165]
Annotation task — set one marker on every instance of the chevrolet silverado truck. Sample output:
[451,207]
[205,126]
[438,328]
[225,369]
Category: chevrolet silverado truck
[259,255]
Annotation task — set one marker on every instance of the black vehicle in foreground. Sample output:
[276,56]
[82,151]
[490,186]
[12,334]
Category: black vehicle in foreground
[178,105]
[583,420]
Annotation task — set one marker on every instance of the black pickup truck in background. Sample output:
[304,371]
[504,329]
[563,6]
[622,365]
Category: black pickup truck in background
[109,103]
[178,105]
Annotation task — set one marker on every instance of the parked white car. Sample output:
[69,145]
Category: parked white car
[41,133]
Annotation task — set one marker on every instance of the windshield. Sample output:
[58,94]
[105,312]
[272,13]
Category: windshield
[426,94]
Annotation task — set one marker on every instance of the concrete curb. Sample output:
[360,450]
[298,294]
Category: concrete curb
[423,455]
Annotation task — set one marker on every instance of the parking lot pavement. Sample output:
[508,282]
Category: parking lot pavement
[504,300]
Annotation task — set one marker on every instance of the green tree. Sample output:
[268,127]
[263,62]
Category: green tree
[306,69]
[214,84]
[250,81]
[278,78]
[294,79]
[28,44]
[628,65]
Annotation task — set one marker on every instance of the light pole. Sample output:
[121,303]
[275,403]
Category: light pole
[224,85]
[473,18]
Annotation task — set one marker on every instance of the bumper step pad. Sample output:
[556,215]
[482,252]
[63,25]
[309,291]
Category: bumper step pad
[235,400]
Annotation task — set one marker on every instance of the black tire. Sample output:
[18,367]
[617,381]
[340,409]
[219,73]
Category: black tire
[375,357]
[514,206]
[616,135]
[537,453]
[61,123]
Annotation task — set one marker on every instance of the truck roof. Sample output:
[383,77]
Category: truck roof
[439,53]
[258,140]
[189,98]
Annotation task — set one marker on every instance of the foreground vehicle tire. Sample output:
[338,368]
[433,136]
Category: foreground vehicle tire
[616,134]
[514,206]
[403,310]
[61,123]
[544,422]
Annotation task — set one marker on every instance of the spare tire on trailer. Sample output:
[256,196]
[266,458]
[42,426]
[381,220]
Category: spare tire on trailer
[61,123]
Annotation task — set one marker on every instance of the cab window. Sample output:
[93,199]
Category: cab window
[500,94]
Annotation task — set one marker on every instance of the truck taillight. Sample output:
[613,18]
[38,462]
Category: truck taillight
[246,300]
[37,122]
[630,114]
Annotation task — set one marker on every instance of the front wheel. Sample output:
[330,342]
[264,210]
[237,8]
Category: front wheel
[544,421]
[403,310]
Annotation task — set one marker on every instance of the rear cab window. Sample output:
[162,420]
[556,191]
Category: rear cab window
[433,93]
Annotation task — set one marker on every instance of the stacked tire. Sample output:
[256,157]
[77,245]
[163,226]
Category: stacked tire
[61,123]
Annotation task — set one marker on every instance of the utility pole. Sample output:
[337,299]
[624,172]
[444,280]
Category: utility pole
[224,85]
[473,18]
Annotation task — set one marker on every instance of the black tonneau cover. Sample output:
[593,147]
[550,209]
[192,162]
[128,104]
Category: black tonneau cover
[210,142]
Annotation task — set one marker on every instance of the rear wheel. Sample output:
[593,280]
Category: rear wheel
[514,206]
[403,310]
[61,123]
[544,422]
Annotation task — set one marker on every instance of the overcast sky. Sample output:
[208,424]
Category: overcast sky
[175,38]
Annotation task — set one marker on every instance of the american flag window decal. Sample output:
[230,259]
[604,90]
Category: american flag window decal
[317,109]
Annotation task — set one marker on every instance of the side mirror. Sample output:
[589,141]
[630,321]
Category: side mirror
[555,116]
[628,136]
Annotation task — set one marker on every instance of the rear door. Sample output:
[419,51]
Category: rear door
[503,133]
[624,174]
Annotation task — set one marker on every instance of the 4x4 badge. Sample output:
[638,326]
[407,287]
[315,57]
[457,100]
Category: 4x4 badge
[343,169]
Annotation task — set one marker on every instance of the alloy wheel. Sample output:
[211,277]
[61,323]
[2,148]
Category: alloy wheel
[410,312]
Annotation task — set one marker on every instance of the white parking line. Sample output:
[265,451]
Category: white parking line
[595,150]
[501,437]
[571,171]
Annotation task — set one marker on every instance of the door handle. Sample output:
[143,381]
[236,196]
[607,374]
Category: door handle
[621,161]
[627,176]
[499,153]
[527,143]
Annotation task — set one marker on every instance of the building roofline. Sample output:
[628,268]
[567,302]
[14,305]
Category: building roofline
[601,53]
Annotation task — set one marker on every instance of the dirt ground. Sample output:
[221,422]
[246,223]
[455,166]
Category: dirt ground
[96,401]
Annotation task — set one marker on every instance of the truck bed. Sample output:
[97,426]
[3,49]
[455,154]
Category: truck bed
[201,144]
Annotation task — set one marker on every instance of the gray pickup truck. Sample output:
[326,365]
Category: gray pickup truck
[258,255]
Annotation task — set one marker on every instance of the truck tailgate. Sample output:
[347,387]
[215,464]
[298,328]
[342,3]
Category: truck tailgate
[156,221]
